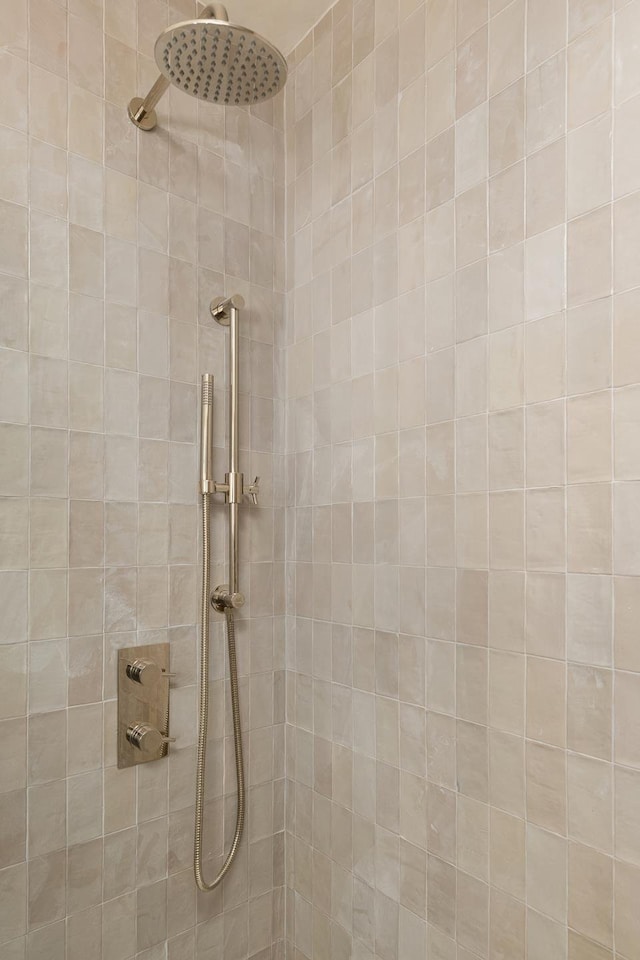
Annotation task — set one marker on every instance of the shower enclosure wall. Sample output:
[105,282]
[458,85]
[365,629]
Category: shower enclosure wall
[444,423]
[113,243]
[463,765]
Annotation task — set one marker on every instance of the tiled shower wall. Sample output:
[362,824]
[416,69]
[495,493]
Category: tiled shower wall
[463,245]
[112,244]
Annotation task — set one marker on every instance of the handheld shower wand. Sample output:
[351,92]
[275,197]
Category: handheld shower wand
[206,435]
[207,487]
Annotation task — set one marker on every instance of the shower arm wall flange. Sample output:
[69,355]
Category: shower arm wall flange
[142,111]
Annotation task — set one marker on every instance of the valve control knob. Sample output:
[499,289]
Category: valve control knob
[146,738]
[146,672]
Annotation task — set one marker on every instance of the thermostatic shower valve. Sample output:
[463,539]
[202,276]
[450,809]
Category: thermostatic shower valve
[143,704]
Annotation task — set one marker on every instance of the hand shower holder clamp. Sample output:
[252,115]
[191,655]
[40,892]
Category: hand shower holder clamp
[222,600]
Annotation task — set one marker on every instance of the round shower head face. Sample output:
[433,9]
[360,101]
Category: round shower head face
[220,62]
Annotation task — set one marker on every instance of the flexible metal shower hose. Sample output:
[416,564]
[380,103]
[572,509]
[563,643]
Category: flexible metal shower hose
[203,720]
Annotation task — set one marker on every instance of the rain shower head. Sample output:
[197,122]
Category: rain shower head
[214,60]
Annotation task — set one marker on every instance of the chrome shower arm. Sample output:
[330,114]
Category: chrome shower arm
[142,111]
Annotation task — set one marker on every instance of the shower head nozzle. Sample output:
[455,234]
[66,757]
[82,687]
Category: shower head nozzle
[214,60]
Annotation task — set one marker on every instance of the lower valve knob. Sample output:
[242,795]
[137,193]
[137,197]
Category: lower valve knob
[146,738]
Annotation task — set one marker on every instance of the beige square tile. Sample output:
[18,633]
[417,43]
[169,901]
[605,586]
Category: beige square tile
[508,853]
[589,528]
[590,798]
[626,132]
[589,347]
[546,786]
[589,257]
[589,624]
[589,437]
[545,536]
[626,687]
[589,701]
[546,873]
[625,242]
[627,77]
[546,701]
[589,166]
[626,603]
[626,831]
[471,72]
[546,178]
[506,610]
[545,444]
[546,30]
[625,506]
[545,359]
[626,413]
[546,102]
[507,768]
[506,530]
[545,937]
[627,931]
[590,893]
[506,46]
[590,74]
[545,602]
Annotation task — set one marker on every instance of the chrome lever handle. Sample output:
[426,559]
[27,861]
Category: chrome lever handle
[253,490]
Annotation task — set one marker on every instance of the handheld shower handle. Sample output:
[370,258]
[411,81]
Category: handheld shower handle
[206,435]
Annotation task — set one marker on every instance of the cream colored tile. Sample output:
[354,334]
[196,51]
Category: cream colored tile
[546,30]
[546,614]
[626,600]
[545,257]
[625,138]
[590,799]
[626,718]
[545,937]
[546,786]
[589,528]
[589,347]
[589,166]
[590,893]
[507,692]
[626,412]
[590,74]
[506,46]
[626,240]
[546,873]
[546,188]
[625,341]
[471,72]
[627,77]
[546,102]
[507,854]
[626,521]
[546,701]
[589,437]
[545,537]
[506,450]
[589,257]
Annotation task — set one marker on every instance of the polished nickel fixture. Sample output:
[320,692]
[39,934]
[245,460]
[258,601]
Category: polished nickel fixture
[213,60]
[143,704]
[227,597]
